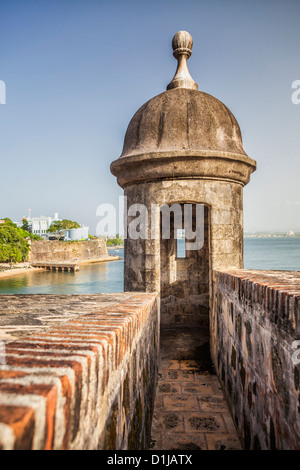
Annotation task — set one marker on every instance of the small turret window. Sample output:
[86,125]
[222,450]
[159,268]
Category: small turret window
[180,245]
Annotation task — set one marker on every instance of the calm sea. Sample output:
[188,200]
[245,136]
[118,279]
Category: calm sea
[259,253]
[280,253]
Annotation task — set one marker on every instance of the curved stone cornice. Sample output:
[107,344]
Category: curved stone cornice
[183,164]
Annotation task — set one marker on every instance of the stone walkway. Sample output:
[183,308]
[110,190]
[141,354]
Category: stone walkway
[190,410]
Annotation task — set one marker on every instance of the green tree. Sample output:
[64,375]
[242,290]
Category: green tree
[113,241]
[25,225]
[59,227]
[9,222]
[35,236]
[13,244]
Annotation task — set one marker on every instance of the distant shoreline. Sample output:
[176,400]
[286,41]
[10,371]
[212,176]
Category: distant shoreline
[272,236]
[99,260]
[15,270]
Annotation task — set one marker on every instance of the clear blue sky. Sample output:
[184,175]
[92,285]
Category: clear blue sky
[76,72]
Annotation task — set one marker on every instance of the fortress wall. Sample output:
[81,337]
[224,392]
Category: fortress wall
[151,264]
[254,323]
[54,250]
[79,371]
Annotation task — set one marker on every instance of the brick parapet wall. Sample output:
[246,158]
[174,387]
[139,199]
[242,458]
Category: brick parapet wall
[254,322]
[80,372]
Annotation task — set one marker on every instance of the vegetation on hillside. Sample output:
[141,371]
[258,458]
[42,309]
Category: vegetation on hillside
[14,246]
[114,241]
[26,227]
[59,227]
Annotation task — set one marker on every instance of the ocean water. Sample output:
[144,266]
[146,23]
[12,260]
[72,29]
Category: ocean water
[94,278]
[259,253]
[280,253]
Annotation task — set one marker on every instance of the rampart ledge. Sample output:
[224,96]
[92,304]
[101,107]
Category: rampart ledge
[78,371]
[255,326]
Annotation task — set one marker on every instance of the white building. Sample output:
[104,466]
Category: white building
[290,233]
[40,225]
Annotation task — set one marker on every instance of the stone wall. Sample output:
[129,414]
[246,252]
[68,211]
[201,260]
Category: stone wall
[254,323]
[79,371]
[150,265]
[184,282]
[54,250]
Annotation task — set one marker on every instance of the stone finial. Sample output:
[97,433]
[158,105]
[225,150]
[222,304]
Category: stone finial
[182,44]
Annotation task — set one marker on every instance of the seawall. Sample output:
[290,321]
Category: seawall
[48,251]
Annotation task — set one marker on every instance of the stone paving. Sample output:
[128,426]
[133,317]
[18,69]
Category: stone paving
[190,410]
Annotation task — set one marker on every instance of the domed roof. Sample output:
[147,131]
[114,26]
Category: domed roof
[182,119]
[183,133]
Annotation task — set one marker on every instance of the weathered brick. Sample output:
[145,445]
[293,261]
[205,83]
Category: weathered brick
[85,356]
[267,309]
[21,420]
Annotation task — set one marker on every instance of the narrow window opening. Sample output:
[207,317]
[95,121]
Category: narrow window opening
[180,243]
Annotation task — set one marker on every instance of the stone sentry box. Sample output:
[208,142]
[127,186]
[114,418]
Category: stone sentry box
[184,146]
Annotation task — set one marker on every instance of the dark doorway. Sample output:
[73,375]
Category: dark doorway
[184,273]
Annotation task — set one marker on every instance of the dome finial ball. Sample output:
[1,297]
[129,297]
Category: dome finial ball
[182,43]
